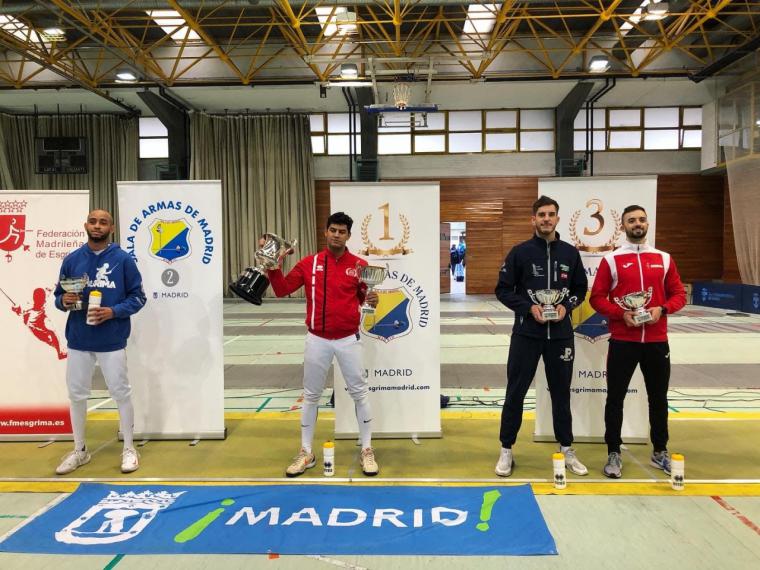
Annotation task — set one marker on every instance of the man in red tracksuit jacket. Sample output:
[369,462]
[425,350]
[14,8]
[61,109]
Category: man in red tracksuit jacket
[334,294]
[634,267]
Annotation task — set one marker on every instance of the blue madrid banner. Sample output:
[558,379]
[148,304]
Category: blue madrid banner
[289,519]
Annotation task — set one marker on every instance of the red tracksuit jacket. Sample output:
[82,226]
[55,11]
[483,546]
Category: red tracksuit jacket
[631,268]
[333,292]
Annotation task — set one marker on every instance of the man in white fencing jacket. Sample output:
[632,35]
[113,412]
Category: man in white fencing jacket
[542,262]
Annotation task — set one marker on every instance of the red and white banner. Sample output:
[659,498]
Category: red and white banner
[37,230]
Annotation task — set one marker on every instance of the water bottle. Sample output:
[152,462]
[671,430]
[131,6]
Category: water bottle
[558,461]
[94,301]
[677,468]
[328,457]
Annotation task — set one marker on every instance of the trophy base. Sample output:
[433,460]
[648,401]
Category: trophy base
[641,318]
[251,286]
[550,315]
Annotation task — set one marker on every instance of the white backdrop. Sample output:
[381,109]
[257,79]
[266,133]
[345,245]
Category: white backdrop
[397,224]
[590,210]
[176,359]
[37,230]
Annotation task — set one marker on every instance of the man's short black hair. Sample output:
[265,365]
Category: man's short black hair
[544,201]
[633,208]
[340,219]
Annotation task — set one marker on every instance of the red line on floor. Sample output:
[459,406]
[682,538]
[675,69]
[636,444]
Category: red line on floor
[734,511]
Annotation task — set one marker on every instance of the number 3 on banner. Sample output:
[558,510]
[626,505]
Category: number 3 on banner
[596,215]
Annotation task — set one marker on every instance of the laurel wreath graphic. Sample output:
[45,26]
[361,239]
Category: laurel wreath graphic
[609,245]
[400,247]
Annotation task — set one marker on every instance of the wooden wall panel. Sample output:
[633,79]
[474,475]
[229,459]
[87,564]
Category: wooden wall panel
[690,223]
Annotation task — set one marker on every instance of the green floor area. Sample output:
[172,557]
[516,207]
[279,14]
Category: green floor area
[261,447]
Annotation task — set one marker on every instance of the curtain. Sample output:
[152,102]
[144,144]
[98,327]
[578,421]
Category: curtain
[743,176]
[111,154]
[266,167]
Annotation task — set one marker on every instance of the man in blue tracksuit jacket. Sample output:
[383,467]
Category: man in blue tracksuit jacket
[543,262]
[112,272]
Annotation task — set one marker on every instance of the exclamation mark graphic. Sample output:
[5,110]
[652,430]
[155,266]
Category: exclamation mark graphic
[200,525]
[489,500]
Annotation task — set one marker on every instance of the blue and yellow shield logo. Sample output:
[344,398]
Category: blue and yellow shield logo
[589,324]
[169,240]
[392,318]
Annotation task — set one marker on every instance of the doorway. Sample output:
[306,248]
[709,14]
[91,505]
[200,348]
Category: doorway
[458,257]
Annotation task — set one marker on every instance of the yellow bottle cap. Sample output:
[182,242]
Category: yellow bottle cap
[558,455]
[329,444]
[676,457]
[96,294]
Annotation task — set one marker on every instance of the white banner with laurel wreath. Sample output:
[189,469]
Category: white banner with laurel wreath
[590,219]
[396,225]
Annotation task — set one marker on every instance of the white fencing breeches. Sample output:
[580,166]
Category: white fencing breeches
[318,356]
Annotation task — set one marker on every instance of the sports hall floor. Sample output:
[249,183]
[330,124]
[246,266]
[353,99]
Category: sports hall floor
[636,522]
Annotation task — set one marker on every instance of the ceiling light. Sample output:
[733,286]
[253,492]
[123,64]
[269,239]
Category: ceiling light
[346,22]
[349,71]
[656,10]
[53,34]
[125,76]
[598,64]
[481,18]
[342,83]
[173,24]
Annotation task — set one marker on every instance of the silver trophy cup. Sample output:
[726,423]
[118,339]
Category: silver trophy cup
[372,275]
[75,285]
[637,302]
[548,299]
[253,281]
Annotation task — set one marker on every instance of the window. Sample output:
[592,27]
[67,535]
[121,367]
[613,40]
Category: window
[154,138]
[644,128]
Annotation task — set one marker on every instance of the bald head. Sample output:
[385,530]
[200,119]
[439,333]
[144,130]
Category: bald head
[99,226]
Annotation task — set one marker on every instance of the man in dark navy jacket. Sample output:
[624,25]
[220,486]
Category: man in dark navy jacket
[543,262]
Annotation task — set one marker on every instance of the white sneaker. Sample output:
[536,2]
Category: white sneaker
[505,463]
[73,460]
[303,461]
[368,463]
[572,463]
[129,460]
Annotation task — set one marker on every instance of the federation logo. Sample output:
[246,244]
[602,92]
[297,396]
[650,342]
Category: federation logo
[169,240]
[392,318]
[588,324]
[12,233]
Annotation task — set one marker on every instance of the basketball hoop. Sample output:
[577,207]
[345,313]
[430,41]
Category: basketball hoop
[402,92]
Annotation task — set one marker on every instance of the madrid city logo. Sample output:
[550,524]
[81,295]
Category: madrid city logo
[401,243]
[12,227]
[116,518]
[398,309]
[171,225]
[599,236]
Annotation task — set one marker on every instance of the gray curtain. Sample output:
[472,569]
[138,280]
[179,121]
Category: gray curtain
[111,154]
[266,167]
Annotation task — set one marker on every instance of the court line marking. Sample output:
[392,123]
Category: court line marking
[45,508]
[737,513]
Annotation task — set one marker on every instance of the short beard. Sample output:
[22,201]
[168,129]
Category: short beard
[631,235]
[101,239]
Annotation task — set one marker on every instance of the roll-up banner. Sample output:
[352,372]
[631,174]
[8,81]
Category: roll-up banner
[590,212]
[396,225]
[173,229]
[37,230]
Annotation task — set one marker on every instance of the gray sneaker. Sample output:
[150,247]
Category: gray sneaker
[661,460]
[505,463]
[614,467]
